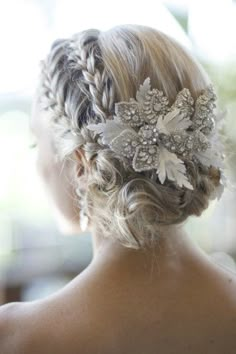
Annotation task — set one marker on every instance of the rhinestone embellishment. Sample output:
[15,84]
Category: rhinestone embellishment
[146,157]
[204,118]
[155,136]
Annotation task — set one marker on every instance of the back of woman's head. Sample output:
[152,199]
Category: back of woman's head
[82,79]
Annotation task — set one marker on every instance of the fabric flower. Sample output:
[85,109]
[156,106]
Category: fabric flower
[154,135]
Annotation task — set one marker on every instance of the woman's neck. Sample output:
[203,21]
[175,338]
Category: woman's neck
[173,249]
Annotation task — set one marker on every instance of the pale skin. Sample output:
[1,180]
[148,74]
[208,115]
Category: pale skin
[171,299]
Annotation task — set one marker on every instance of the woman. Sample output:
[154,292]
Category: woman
[130,171]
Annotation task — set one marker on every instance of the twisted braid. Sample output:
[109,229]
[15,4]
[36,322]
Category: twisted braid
[50,96]
[74,84]
[84,55]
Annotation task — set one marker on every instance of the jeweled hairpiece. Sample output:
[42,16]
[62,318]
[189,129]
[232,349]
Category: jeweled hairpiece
[152,135]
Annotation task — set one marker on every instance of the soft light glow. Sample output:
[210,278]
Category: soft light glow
[212,27]
[72,16]
[22,37]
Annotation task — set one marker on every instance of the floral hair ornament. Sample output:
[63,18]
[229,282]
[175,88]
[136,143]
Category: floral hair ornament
[153,135]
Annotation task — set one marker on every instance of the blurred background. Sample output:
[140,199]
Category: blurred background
[36,259]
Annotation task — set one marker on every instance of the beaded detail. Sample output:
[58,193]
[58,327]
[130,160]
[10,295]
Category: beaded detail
[153,135]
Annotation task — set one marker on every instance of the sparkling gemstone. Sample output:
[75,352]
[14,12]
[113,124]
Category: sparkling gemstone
[177,138]
[157,107]
[152,150]
[189,144]
[147,133]
[134,143]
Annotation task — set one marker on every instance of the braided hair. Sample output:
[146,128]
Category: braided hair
[74,73]
[81,79]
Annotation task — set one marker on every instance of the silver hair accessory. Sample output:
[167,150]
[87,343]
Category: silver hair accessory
[83,217]
[152,135]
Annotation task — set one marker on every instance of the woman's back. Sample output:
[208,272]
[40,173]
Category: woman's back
[190,311]
[185,309]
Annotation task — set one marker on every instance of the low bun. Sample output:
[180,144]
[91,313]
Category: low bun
[132,207]
[102,68]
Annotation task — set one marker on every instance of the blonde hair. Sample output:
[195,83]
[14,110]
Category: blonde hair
[81,80]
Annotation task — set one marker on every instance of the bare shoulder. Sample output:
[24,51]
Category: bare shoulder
[75,322]
[222,286]
[228,297]
[224,279]
[11,327]
[23,330]
[44,327]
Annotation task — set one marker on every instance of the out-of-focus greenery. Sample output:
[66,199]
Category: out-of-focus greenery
[224,78]
[21,192]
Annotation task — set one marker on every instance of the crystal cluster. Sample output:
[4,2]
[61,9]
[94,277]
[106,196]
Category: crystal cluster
[154,135]
[146,157]
[204,118]
[182,143]
[130,113]
[155,103]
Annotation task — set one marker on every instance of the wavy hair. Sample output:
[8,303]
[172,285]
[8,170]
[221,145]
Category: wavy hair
[81,80]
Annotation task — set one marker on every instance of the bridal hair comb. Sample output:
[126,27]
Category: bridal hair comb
[152,135]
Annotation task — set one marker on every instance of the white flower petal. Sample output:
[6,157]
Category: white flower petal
[171,167]
[143,90]
[108,130]
[173,121]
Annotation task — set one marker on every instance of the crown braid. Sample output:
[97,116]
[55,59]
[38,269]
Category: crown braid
[84,55]
[74,86]
[50,97]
